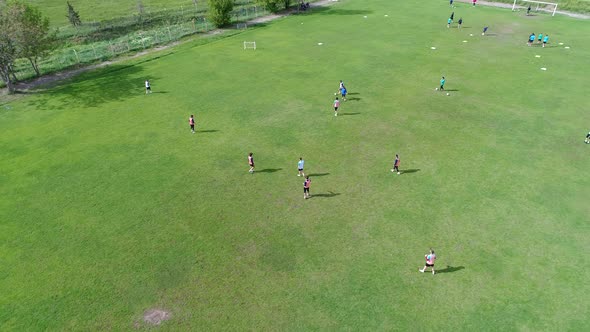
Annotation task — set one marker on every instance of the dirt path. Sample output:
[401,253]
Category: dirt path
[509,6]
[51,79]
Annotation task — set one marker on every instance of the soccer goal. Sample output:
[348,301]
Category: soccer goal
[538,3]
[248,45]
[242,26]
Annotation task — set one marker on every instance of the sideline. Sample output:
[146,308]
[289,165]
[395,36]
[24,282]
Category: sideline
[49,79]
[509,6]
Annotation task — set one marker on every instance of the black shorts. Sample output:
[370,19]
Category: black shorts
[192,126]
[300,169]
[429,265]
[305,190]
[544,42]
[343,95]
[251,165]
[588,136]
[148,88]
[335,108]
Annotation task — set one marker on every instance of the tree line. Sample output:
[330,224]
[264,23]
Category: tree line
[25,32]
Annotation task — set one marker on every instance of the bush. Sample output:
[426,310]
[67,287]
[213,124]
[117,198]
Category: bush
[271,5]
[220,12]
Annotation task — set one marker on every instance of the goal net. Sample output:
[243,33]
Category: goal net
[537,5]
[248,45]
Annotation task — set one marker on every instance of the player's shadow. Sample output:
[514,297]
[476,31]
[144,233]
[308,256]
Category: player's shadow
[350,113]
[354,93]
[408,171]
[450,269]
[207,131]
[354,99]
[491,34]
[326,195]
[269,170]
[318,174]
[451,90]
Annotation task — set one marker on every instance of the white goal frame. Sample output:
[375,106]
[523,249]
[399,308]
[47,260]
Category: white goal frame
[248,45]
[538,3]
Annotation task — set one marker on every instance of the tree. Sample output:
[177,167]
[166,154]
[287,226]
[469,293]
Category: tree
[270,5]
[73,15]
[220,12]
[8,44]
[34,39]
[287,3]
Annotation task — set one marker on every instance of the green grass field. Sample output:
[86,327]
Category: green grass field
[90,11]
[111,207]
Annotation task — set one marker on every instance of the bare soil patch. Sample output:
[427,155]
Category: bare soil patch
[156,316]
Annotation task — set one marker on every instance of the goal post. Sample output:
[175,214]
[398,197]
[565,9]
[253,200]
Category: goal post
[554,4]
[248,45]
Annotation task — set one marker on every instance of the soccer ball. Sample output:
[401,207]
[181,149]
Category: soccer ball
[436,89]
[448,94]
[335,93]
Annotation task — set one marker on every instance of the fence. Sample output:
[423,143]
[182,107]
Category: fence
[173,28]
[164,27]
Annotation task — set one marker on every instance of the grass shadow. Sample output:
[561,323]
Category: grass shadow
[207,131]
[350,113]
[92,89]
[338,11]
[354,99]
[328,195]
[268,170]
[450,269]
[414,170]
[354,93]
[318,174]
[451,90]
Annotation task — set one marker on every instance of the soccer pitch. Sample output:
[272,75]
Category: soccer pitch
[111,207]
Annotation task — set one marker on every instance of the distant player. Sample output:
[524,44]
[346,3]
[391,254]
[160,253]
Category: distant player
[460,22]
[531,39]
[485,29]
[396,163]
[545,40]
[343,93]
[474,1]
[300,167]
[442,83]
[148,88]
[587,140]
[306,186]
[430,259]
[341,85]
[528,10]
[451,3]
[540,38]
[336,105]
[251,163]
[191,122]
[449,21]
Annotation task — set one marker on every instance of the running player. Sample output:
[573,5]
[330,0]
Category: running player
[300,167]
[148,88]
[251,163]
[396,165]
[430,259]
[336,105]
[306,186]
[545,40]
[191,122]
